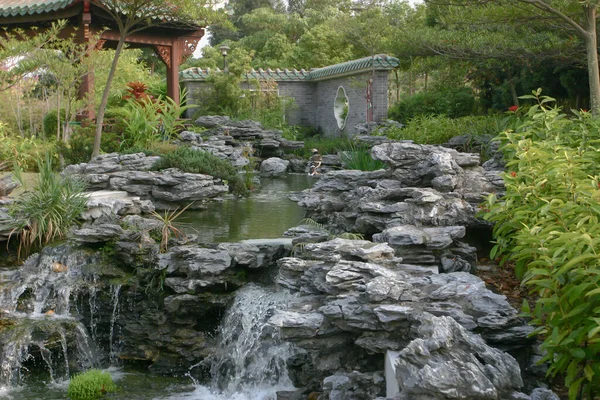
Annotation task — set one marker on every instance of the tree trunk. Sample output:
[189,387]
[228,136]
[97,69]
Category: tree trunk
[102,106]
[397,85]
[591,48]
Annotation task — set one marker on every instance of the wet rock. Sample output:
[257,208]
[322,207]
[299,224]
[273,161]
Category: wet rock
[296,324]
[272,167]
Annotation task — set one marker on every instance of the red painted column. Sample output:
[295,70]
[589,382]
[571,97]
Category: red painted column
[173,71]
[86,90]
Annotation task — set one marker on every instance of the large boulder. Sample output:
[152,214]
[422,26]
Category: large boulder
[447,362]
[273,167]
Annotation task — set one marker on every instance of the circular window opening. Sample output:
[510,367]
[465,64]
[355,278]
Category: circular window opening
[341,108]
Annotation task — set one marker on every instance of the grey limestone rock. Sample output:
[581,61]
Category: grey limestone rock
[448,362]
[273,167]
[253,256]
[195,262]
[211,121]
[130,173]
[7,184]
[353,385]
[97,234]
[297,324]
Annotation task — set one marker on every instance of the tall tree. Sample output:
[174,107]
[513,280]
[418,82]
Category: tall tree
[132,16]
[538,28]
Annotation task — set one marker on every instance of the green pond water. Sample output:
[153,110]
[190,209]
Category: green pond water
[266,214]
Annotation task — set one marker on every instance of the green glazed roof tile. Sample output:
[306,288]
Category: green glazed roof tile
[12,8]
[380,62]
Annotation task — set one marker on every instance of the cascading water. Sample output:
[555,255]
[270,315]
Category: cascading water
[113,318]
[38,330]
[250,361]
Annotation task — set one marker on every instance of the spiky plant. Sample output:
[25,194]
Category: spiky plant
[48,211]
[168,228]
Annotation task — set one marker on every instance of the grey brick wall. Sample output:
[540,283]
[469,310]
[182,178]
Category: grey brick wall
[304,108]
[313,101]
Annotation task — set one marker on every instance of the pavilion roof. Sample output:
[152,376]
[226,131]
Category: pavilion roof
[12,8]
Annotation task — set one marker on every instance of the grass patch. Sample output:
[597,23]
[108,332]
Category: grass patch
[89,385]
[202,162]
[325,145]
[438,129]
[359,157]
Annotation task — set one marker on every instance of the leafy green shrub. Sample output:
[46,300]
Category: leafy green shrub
[25,151]
[547,224]
[80,145]
[359,157]
[453,102]
[48,211]
[202,162]
[91,385]
[430,129]
[146,121]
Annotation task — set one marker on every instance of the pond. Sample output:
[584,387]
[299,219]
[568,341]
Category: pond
[266,214]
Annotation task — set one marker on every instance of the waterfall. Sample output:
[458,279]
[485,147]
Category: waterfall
[38,334]
[250,361]
[113,318]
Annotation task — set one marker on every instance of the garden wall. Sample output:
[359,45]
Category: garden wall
[315,92]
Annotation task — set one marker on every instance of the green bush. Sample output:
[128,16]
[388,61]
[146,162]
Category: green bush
[80,145]
[548,225]
[91,385]
[49,123]
[430,129]
[25,151]
[454,103]
[202,162]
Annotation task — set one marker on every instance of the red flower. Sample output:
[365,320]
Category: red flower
[513,108]
[513,174]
